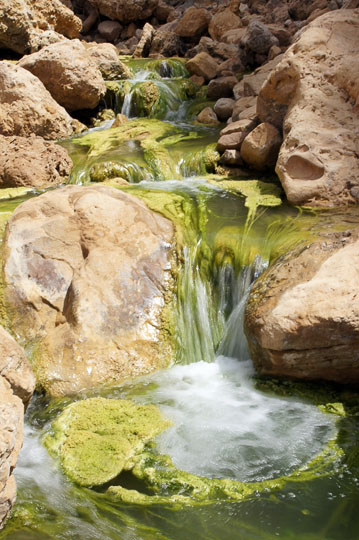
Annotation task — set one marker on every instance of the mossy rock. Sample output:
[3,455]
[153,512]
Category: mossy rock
[98,438]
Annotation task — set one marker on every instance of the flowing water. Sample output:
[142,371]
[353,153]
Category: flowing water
[227,424]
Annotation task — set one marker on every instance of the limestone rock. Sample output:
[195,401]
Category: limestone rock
[125,11]
[17,385]
[251,84]
[222,87]
[207,116]
[232,136]
[166,43]
[202,65]
[241,105]
[87,270]
[144,44]
[193,23]
[106,58]
[224,108]
[69,74]
[32,162]
[26,107]
[222,22]
[316,85]
[260,148]
[258,39]
[301,318]
[110,30]
[22,23]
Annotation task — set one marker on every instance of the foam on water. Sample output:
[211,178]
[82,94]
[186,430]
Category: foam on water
[225,428]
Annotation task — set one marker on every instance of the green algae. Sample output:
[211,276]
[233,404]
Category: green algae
[97,438]
[166,67]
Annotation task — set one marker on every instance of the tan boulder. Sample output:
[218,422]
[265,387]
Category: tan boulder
[234,36]
[32,162]
[314,94]
[260,148]
[17,384]
[87,273]
[193,23]
[27,108]
[302,316]
[222,87]
[202,65]
[207,116]
[222,22]
[144,44]
[232,136]
[22,23]
[69,73]
[105,55]
[125,11]
[243,104]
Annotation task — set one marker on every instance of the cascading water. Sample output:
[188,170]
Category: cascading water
[223,427]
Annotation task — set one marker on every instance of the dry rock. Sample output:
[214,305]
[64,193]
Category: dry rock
[87,270]
[224,108]
[22,23]
[125,11]
[144,44]
[301,319]
[32,162]
[110,30]
[193,23]
[207,116]
[202,65]
[105,56]
[27,108]
[222,22]
[314,95]
[69,74]
[221,87]
[260,148]
[232,136]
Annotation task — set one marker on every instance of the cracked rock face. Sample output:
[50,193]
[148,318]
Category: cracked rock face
[87,271]
[302,316]
[313,94]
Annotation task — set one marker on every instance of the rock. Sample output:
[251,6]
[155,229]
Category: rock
[197,80]
[110,30]
[202,65]
[316,85]
[224,108]
[232,136]
[241,105]
[301,319]
[32,162]
[221,87]
[235,36]
[222,22]
[131,44]
[87,270]
[144,44]
[22,23]
[112,430]
[163,11]
[125,11]
[166,43]
[207,116]
[27,108]
[69,74]
[283,35]
[17,385]
[232,158]
[260,148]
[249,114]
[119,120]
[250,85]
[193,23]
[106,58]
[274,51]
[258,39]
[232,65]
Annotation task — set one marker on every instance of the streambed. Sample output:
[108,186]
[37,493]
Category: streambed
[226,423]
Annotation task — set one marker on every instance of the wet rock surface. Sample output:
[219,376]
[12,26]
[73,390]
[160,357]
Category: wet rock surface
[87,271]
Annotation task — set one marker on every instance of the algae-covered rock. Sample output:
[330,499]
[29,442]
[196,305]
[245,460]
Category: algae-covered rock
[98,438]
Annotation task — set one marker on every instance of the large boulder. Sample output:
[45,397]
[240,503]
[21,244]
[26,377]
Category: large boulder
[69,73]
[105,55]
[23,23]
[125,11]
[313,95]
[193,23]
[17,384]
[87,273]
[223,22]
[202,65]
[32,161]
[301,318]
[27,108]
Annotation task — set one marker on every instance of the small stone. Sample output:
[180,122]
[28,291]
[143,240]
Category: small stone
[260,148]
[224,108]
[207,116]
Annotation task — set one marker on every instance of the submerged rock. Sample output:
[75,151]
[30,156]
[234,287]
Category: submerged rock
[313,94]
[88,275]
[25,25]
[32,162]
[96,439]
[69,73]
[301,318]
[27,108]
[17,384]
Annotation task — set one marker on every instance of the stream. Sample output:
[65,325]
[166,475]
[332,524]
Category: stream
[226,422]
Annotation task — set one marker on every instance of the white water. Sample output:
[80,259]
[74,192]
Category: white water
[225,428]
